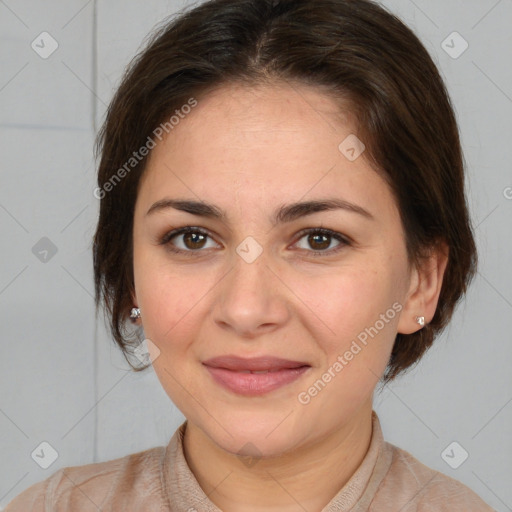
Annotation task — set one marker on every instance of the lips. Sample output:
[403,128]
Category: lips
[262,364]
[254,376]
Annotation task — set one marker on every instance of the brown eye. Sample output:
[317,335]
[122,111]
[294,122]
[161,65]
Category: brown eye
[186,240]
[319,240]
[191,241]
[194,240]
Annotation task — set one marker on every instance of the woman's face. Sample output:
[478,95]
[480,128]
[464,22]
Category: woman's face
[254,283]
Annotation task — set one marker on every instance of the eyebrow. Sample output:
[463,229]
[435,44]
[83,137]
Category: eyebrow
[285,213]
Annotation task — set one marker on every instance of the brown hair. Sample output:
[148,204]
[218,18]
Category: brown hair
[354,50]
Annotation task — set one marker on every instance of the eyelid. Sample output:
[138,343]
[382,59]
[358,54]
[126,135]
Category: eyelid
[334,234]
[342,238]
[165,239]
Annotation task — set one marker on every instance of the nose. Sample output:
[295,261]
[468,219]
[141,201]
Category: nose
[251,299]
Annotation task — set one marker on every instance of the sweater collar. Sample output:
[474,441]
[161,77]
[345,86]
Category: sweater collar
[184,494]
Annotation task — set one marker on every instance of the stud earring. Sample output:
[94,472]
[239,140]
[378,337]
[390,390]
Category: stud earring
[420,320]
[135,313]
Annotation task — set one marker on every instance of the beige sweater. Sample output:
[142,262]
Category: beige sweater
[159,480]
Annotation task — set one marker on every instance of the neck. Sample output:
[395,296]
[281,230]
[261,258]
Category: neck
[308,477]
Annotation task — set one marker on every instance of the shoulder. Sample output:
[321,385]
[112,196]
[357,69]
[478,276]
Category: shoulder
[419,488]
[91,487]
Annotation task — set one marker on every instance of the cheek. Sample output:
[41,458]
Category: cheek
[348,300]
[354,320]
[172,299]
[156,288]
[170,303]
[167,301]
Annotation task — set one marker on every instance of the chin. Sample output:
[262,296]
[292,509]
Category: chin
[253,436]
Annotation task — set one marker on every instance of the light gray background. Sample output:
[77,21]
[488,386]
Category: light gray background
[62,379]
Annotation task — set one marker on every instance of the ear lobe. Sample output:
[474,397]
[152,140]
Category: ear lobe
[134,298]
[423,295]
[135,320]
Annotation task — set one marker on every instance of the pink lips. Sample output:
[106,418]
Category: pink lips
[235,373]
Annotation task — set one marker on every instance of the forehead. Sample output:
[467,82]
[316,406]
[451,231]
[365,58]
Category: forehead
[259,146]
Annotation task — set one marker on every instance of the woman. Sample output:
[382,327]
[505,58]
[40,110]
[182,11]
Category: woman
[283,214]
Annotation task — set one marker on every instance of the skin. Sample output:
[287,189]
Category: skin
[250,150]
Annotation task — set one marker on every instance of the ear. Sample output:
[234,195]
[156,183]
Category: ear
[424,289]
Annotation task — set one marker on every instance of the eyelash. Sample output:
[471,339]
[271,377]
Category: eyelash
[165,240]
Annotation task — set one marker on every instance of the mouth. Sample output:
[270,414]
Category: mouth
[253,364]
[254,376]
[259,371]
